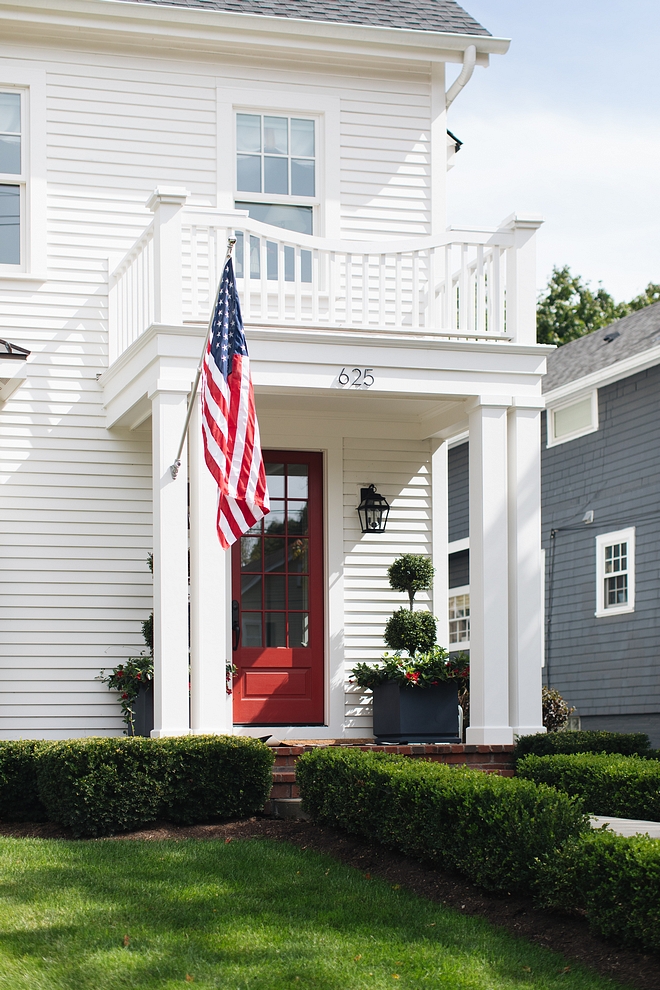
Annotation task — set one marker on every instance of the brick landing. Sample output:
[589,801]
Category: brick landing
[490,759]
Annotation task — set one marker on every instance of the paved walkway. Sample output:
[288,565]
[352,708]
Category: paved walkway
[627,826]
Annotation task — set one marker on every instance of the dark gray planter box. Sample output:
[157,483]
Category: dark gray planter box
[143,722]
[416,714]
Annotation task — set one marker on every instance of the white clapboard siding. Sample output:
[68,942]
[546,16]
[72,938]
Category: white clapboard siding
[75,525]
[401,471]
[385,160]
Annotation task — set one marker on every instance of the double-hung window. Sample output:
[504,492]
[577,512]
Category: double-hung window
[276,174]
[459,618]
[615,572]
[12,178]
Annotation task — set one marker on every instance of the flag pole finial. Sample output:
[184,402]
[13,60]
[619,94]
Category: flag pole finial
[174,468]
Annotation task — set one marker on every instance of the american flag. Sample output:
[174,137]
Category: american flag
[229,421]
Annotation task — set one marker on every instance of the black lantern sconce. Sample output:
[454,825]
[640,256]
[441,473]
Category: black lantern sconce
[373,510]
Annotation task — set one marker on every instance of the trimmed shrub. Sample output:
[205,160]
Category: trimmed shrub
[19,792]
[613,878]
[624,786]
[488,827]
[546,744]
[212,777]
[100,786]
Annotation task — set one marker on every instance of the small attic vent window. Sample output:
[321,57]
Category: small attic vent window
[573,419]
[609,337]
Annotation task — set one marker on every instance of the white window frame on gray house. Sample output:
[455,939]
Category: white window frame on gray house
[572,418]
[615,573]
[459,618]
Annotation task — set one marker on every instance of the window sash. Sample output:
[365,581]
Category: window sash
[277,157]
[615,564]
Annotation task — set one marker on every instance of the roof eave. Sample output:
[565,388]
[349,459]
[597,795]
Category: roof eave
[193,27]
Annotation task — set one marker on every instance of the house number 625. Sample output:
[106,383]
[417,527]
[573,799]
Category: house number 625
[356,377]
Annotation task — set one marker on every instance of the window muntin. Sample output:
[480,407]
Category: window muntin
[10,169]
[459,619]
[573,419]
[615,572]
[275,155]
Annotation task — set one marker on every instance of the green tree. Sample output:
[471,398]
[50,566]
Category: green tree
[650,295]
[569,309]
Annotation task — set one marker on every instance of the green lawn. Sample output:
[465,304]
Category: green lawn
[253,914]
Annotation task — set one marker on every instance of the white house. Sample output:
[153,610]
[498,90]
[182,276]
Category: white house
[136,136]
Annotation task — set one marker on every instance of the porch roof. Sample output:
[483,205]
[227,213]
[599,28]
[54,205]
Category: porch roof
[444,16]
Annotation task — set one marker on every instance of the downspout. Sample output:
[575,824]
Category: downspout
[469,62]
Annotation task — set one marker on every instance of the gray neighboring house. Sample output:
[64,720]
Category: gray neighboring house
[601,524]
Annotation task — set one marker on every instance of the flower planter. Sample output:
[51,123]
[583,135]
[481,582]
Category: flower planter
[143,722]
[416,714]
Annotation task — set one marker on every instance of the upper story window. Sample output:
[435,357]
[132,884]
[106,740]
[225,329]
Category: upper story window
[276,168]
[573,419]
[615,572]
[275,155]
[12,178]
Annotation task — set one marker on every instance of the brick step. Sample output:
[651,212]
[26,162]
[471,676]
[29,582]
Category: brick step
[490,759]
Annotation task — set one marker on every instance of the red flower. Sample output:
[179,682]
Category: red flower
[138,677]
[124,696]
[409,675]
[119,673]
[433,683]
[415,676]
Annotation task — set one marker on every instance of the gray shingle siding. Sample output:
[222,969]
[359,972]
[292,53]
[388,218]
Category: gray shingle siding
[458,505]
[608,666]
[459,569]
[444,16]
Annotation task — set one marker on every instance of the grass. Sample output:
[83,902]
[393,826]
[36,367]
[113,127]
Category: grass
[251,915]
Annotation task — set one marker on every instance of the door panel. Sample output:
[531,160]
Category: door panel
[277,575]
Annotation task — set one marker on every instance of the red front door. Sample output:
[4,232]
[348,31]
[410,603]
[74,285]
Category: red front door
[278,599]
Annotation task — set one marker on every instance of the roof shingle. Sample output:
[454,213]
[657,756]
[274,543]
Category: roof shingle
[445,16]
[634,335]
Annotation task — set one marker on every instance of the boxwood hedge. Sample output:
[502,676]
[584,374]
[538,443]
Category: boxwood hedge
[99,786]
[614,879]
[19,793]
[622,786]
[488,827]
[585,741]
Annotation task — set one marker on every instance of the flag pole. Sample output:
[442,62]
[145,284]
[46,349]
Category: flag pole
[174,468]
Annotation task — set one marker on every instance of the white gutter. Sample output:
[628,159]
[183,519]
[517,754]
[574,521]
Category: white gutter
[469,62]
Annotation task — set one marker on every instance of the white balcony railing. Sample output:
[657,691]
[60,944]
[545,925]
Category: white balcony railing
[465,284]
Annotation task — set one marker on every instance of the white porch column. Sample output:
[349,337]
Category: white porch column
[170,523]
[210,597]
[525,569]
[440,523]
[489,611]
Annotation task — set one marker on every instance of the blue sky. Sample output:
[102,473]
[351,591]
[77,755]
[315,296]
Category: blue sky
[567,124]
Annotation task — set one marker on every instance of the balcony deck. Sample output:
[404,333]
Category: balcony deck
[463,285]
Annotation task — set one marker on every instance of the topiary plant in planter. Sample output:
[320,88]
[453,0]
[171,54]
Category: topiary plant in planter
[415,699]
